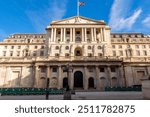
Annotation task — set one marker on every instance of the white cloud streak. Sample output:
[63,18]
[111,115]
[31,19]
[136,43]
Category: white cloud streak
[41,18]
[146,21]
[118,20]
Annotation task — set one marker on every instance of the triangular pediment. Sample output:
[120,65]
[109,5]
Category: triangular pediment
[78,20]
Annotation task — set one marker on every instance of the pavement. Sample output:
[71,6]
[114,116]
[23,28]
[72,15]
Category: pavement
[82,95]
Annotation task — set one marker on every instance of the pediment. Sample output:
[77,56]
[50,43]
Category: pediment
[78,20]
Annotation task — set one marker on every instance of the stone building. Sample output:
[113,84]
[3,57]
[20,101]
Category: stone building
[96,57]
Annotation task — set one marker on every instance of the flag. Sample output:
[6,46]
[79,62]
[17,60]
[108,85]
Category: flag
[81,3]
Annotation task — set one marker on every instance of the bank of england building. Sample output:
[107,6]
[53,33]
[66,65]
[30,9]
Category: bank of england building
[94,56]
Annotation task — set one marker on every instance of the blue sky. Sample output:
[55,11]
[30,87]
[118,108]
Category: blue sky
[32,16]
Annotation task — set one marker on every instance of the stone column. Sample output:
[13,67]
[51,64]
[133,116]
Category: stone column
[85,39]
[71,35]
[85,78]
[121,76]
[52,30]
[61,37]
[102,34]
[64,35]
[36,80]
[59,78]
[108,75]
[92,36]
[48,73]
[82,35]
[71,79]
[54,39]
[97,78]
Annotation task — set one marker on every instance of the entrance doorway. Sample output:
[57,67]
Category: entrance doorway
[91,82]
[78,79]
[65,82]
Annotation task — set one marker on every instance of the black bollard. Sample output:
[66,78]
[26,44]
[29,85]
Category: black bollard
[47,86]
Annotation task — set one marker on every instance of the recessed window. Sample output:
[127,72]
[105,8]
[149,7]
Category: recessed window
[19,47]
[78,39]
[43,69]
[136,46]
[67,55]
[102,69]
[113,69]
[12,47]
[88,32]
[90,69]
[41,53]
[89,47]
[4,53]
[138,53]
[121,53]
[99,47]
[120,46]
[89,54]
[18,53]
[68,32]
[35,47]
[57,47]
[5,47]
[113,46]
[145,53]
[59,32]
[11,53]
[143,46]
[54,69]
[100,54]
[56,55]
[114,53]
[42,47]
[67,47]
[34,53]
[78,32]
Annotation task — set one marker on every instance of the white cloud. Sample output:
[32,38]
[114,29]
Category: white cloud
[118,20]
[41,18]
[146,21]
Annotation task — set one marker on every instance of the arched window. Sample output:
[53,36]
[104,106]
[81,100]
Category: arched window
[67,47]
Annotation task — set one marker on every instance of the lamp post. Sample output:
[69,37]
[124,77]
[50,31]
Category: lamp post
[47,86]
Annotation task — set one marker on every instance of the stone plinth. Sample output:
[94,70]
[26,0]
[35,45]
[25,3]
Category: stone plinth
[146,89]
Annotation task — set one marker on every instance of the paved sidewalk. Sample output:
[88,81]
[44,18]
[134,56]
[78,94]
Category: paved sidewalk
[83,96]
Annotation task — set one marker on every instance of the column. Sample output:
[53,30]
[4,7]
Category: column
[71,35]
[108,75]
[92,36]
[54,38]
[61,37]
[59,78]
[85,78]
[121,78]
[97,78]
[82,35]
[48,73]
[95,34]
[85,31]
[71,79]
[102,39]
[51,35]
[104,34]
[64,35]
[36,80]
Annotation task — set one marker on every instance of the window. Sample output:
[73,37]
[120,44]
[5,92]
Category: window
[78,32]
[43,69]
[120,46]
[114,53]
[19,47]
[121,53]
[128,46]
[12,47]
[28,40]
[59,32]
[18,53]
[138,53]
[67,47]
[100,54]
[102,69]
[89,55]
[113,69]
[35,47]
[5,47]
[11,53]
[89,47]
[56,55]
[113,46]
[57,47]
[88,32]
[34,53]
[41,53]
[99,47]
[67,55]
[145,53]
[42,47]
[143,46]
[54,69]
[90,69]
[4,53]
[68,32]
[136,46]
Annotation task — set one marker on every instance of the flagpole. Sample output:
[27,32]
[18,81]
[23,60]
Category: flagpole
[78,9]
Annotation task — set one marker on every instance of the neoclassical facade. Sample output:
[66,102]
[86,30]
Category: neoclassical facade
[96,57]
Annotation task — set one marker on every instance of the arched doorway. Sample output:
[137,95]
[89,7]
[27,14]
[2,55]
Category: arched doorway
[78,51]
[78,79]
[91,82]
[65,82]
